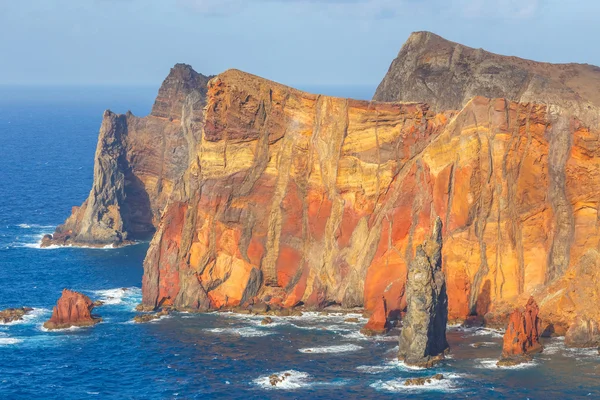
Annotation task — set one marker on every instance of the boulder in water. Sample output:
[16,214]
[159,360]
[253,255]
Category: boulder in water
[522,335]
[72,309]
[13,314]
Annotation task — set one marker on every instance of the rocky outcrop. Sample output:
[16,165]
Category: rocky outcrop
[447,75]
[423,380]
[144,318]
[13,314]
[378,323]
[137,163]
[423,337]
[72,309]
[522,335]
[583,333]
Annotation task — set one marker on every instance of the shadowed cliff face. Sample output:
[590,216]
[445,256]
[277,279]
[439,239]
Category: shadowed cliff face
[137,163]
[447,75]
[297,198]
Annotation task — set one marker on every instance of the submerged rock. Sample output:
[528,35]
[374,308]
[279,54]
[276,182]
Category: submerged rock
[352,320]
[277,379]
[522,335]
[266,321]
[423,338]
[423,381]
[72,309]
[141,319]
[14,314]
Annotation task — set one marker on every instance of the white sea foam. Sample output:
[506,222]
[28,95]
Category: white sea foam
[491,363]
[129,296]
[69,329]
[374,369]
[344,348]
[377,338]
[478,331]
[30,317]
[35,226]
[243,332]
[402,366]
[447,385]
[7,341]
[295,380]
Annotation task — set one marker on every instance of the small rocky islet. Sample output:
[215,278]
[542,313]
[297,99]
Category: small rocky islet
[423,200]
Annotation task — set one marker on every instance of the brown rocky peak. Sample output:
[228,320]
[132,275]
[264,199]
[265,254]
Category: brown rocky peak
[72,309]
[177,86]
[522,335]
[447,75]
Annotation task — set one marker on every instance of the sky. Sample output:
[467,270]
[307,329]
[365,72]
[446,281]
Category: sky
[295,42]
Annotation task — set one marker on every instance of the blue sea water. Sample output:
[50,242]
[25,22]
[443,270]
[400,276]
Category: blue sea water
[47,142]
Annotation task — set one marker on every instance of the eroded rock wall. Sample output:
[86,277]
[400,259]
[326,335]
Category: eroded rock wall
[137,163]
[298,198]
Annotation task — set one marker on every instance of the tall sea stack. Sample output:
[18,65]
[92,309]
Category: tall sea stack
[423,337]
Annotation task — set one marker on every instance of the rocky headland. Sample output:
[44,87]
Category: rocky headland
[257,193]
[72,309]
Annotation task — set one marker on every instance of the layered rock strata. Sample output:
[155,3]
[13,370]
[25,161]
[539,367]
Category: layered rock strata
[137,163]
[423,337]
[522,335]
[72,309]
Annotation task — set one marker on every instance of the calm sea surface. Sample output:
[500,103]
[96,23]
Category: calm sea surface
[47,143]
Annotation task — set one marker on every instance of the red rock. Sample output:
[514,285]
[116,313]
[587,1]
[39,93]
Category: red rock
[378,324]
[72,309]
[522,333]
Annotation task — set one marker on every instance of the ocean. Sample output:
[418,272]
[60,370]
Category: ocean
[47,144]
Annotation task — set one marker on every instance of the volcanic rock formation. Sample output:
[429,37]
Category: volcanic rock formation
[261,193]
[378,323]
[137,163]
[72,309]
[522,335]
[14,314]
[446,75]
[423,337]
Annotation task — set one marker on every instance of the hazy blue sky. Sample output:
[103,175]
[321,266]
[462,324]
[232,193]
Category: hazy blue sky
[297,42]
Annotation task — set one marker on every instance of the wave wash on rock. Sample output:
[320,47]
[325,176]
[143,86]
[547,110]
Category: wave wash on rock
[260,192]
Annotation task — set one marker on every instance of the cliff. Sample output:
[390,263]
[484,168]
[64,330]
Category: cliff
[447,75]
[262,193]
[297,198]
[137,163]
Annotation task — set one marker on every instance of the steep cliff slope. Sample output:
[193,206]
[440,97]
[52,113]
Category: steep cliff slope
[260,192]
[138,161]
[447,75]
[297,198]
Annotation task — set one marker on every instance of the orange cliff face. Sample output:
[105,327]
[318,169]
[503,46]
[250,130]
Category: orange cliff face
[296,198]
